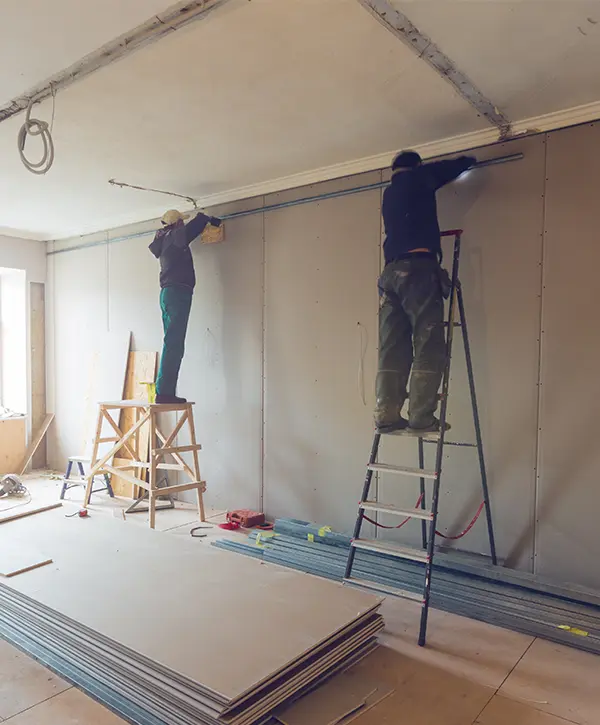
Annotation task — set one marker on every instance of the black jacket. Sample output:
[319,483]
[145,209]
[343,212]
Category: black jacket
[409,206]
[172,247]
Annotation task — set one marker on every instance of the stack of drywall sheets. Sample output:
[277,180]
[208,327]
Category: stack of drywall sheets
[460,584]
[169,630]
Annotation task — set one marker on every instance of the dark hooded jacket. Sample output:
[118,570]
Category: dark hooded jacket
[171,246]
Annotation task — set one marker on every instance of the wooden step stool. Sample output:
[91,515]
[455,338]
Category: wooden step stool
[146,414]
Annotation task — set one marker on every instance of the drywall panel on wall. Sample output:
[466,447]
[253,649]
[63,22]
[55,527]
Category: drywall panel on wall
[569,495]
[322,263]
[222,368]
[78,282]
[500,209]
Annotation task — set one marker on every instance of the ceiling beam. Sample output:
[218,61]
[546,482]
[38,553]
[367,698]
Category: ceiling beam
[157,27]
[400,25]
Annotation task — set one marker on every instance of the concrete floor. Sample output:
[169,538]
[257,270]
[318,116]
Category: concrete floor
[469,674]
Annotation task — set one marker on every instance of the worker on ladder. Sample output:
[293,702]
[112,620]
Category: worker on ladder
[171,246]
[411,312]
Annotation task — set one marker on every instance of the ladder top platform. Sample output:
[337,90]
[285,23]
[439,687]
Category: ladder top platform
[145,404]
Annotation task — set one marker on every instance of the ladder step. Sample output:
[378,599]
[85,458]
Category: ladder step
[388,508]
[402,470]
[408,433]
[391,548]
[383,589]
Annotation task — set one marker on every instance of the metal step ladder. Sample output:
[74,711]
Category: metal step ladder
[427,516]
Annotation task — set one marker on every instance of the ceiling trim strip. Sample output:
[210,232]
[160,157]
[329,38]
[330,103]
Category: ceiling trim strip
[400,25]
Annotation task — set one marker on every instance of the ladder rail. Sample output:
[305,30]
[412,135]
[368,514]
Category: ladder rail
[365,496]
[440,445]
[422,493]
[477,422]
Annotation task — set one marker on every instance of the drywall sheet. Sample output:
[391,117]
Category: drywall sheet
[568,495]
[19,560]
[293,612]
[78,281]
[500,209]
[336,702]
[322,263]
[222,370]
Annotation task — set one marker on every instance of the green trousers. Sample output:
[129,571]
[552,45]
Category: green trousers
[175,305]
[411,335]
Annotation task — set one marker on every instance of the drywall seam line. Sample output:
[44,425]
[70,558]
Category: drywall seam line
[107,284]
[380,269]
[401,26]
[172,19]
[538,437]
[273,207]
[263,427]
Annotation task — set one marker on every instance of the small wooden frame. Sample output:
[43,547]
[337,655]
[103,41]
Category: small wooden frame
[146,415]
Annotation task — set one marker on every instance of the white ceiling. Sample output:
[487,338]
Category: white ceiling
[264,89]
[530,57]
[40,38]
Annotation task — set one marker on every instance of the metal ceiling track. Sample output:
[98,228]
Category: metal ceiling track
[174,18]
[263,209]
[400,25]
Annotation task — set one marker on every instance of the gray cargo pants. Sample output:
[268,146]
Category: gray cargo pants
[411,334]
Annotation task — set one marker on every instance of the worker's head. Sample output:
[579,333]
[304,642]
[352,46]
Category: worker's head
[406,160]
[172,217]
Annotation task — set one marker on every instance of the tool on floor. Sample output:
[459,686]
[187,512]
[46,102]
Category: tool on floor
[82,513]
[246,518]
[421,512]
[11,485]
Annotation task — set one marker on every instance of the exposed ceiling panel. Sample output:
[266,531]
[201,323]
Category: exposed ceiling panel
[260,90]
[530,56]
[40,38]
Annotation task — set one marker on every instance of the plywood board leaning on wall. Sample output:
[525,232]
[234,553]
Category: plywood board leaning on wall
[35,443]
[108,367]
[12,443]
[141,367]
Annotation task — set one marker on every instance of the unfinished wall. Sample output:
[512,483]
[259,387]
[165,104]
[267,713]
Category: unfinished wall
[566,522]
[281,351]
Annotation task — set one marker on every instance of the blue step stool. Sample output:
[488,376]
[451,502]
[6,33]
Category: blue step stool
[69,482]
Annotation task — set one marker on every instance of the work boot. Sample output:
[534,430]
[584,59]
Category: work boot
[391,427]
[169,400]
[433,428]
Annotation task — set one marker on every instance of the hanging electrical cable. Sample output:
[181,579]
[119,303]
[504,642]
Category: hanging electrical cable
[36,127]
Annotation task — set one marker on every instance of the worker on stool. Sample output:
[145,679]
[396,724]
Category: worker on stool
[411,312]
[171,245]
